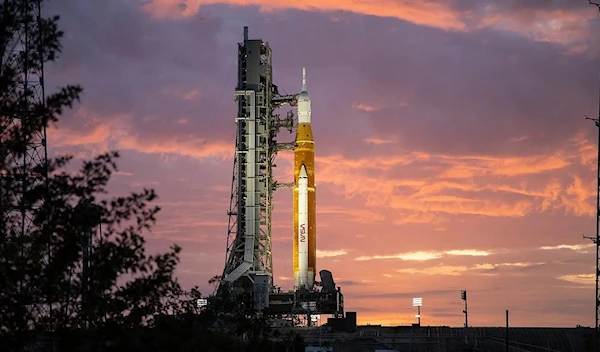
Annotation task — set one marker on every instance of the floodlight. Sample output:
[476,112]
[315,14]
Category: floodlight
[202,302]
[418,302]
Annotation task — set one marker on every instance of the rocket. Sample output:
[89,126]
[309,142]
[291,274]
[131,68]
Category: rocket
[304,244]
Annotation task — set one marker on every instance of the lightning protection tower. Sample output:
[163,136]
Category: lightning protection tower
[596,239]
[249,265]
[23,152]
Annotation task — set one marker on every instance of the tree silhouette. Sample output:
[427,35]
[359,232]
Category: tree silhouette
[45,285]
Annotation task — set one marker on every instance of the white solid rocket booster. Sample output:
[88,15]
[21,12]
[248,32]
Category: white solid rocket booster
[302,228]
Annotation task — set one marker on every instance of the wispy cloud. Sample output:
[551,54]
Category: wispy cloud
[424,256]
[366,107]
[518,139]
[456,270]
[585,279]
[468,252]
[330,253]
[582,248]
[379,141]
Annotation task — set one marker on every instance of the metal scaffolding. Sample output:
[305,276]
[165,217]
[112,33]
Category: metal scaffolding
[249,261]
[23,151]
[596,239]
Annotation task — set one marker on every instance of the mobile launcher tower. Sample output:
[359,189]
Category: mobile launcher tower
[248,274]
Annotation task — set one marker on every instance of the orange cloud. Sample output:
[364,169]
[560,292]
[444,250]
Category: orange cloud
[578,198]
[455,205]
[220,150]
[472,166]
[116,132]
[403,218]
[462,184]
[587,150]
[96,135]
[423,13]
[539,24]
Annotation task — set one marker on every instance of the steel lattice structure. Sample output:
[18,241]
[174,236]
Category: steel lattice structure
[596,239]
[249,262]
[23,142]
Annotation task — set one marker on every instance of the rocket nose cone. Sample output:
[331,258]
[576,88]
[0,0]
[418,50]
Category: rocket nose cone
[303,173]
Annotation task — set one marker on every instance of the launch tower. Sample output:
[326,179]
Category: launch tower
[249,262]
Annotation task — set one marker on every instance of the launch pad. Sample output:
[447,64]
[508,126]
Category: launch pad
[329,300]
[248,271]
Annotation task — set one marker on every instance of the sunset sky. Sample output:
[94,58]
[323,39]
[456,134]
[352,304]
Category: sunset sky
[452,150]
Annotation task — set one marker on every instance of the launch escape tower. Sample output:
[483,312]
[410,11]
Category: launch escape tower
[249,262]
[24,157]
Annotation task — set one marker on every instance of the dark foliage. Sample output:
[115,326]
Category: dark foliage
[42,283]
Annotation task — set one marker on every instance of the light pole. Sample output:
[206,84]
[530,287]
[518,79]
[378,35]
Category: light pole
[463,296]
[418,302]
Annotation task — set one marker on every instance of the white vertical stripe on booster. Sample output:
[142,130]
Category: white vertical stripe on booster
[303,228]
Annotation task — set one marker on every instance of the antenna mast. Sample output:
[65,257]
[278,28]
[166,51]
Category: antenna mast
[596,240]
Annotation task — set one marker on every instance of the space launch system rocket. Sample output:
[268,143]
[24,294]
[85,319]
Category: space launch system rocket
[304,244]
